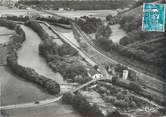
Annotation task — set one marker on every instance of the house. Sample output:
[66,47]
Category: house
[94,74]
[97,76]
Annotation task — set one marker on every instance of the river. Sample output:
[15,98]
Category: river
[15,90]
[28,56]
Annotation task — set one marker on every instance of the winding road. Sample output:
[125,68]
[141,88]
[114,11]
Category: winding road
[80,50]
[45,102]
[83,54]
[48,101]
[102,53]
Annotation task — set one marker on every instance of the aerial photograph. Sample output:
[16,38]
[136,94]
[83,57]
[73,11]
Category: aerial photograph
[82,58]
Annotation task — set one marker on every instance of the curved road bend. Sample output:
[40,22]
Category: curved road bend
[45,102]
[42,102]
[48,101]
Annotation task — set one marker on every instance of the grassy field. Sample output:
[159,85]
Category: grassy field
[51,110]
[14,90]
[5,38]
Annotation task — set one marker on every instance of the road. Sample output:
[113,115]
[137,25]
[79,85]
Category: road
[31,104]
[83,54]
[6,34]
[48,101]
[44,102]
[80,50]
[86,38]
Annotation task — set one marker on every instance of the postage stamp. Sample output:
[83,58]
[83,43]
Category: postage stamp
[153,17]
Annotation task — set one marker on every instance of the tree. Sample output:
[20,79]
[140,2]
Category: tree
[108,17]
[105,44]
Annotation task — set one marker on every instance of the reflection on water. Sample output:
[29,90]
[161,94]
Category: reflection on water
[117,33]
[28,56]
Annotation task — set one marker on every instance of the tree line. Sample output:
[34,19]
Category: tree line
[56,56]
[27,73]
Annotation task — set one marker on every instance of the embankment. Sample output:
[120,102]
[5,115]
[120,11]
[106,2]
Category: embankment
[56,56]
[27,73]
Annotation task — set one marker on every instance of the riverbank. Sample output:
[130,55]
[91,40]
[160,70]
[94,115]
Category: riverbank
[63,59]
[114,103]
[148,94]
[31,75]
[11,92]
[27,73]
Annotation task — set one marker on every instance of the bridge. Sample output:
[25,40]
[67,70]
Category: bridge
[53,100]
[47,101]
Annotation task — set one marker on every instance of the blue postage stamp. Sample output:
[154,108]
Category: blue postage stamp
[153,17]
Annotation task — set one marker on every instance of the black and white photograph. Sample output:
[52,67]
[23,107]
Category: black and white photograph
[82,58]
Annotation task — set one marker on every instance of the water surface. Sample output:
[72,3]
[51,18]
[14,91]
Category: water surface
[28,56]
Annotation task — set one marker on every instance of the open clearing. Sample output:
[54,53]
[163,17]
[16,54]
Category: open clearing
[5,38]
[14,90]
[117,33]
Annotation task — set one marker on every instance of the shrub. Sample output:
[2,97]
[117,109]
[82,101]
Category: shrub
[18,18]
[108,17]
[116,114]
[26,73]
[37,28]
[134,86]
[104,43]
[54,20]
[89,25]
[103,32]
[67,98]
[8,24]
[54,56]
[82,105]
